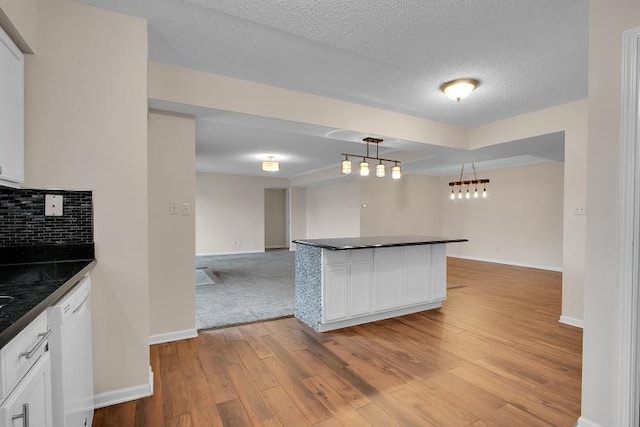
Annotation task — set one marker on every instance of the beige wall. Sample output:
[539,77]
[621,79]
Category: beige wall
[230,208]
[86,127]
[19,20]
[191,87]
[275,235]
[333,210]
[411,205]
[520,222]
[297,214]
[609,19]
[572,119]
[171,237]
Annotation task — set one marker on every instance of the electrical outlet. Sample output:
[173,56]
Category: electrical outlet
[186,208]
[53,205]
[580,210]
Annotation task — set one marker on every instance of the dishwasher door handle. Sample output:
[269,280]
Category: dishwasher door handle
[24,415]
[43,337]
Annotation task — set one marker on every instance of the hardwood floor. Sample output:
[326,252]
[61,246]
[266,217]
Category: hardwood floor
[493,355]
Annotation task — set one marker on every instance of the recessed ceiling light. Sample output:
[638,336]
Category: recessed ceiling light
[459,88]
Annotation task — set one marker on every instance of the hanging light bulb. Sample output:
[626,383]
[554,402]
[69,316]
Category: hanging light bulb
[380,170]
[396,171]
[467,194]
[364,168]
[345,167]
[453,195]
[460,193]
[484,192]
[475,193]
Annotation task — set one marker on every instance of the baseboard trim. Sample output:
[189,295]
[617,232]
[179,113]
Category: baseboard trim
[583,422]
[173,336]
[330,326]
[570,321]
[114,397]
[276,247]
[229,253]
[516,264]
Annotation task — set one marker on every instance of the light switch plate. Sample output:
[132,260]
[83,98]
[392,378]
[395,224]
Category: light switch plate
[174,207]
[186,208]
[53,205]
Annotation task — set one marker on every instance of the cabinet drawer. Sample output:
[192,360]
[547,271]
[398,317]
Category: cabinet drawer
[22,353]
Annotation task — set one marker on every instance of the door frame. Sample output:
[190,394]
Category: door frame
[628,381]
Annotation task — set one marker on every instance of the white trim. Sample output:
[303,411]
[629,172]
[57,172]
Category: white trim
[323,327]
[173,336]
[122,395]
[583,422]
[276,247]
[571,321]
[629,233]
[230,253]
[516,264]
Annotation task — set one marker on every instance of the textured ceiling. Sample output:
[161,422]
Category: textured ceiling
[527,54]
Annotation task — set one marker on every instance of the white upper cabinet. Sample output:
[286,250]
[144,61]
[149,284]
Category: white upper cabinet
[11,112]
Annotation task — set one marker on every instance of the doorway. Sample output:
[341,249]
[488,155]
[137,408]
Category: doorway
[275,219]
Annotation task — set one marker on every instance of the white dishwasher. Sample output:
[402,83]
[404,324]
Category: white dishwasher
[70,346]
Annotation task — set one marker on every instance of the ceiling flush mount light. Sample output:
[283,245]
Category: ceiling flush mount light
[364,167]
[470,186]
[270,165]
[459,89]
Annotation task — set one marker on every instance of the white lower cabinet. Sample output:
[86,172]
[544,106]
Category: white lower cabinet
[371,284]
[29,404]
[25,378]
[336,279]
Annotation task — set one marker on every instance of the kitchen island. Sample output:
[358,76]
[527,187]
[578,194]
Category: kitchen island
[343,282]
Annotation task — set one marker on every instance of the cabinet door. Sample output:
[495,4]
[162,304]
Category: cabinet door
[416,260]
[387,266]
[334,288]
[438,272]
[11,111]
[360,292]
[30,399]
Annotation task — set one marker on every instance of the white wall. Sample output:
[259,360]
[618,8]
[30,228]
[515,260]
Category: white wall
[411,205]
[230,208]
[520,222]
[609,19]
[275,235]
[172,148]
[333,210]
[86,127]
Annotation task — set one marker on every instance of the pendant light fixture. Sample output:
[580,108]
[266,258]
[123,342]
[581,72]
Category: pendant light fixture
[468,184]
[270,165]
[364,166]
[459,89]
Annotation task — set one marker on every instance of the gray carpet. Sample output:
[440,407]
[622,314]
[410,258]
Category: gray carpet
[250,287]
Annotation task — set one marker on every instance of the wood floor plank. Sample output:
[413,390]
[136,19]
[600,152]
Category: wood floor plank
[493,355]
[285,408]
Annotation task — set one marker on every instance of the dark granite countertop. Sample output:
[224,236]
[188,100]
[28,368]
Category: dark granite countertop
[35,286]
[346,243]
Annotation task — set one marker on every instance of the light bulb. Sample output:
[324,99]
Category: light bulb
[396,172]
[453,195]
[346,167]
[467,195]
[475,194]
[364,168]
[460,194]
[484,193]
[380,170]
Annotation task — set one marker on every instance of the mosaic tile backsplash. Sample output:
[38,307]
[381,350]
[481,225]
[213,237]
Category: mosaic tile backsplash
[22,220]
